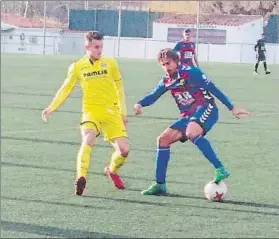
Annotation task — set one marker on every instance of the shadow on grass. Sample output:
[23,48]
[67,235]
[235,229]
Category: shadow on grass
[240,203]
[171,204]
[130,116]
[52,231]
[248,204]
[7,164]
[49,141]
[45,202]
[252,204]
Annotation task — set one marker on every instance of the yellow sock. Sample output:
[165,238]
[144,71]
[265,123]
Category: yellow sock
[83,160]
[116,162]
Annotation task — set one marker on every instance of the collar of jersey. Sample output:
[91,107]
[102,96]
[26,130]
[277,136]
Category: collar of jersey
[175,77]
[88,58]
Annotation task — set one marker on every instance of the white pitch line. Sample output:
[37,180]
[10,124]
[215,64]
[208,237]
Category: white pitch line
[130,123]
[266,114]
[35,130]
[62,129]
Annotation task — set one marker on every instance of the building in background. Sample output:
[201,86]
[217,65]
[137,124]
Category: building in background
[213,29]
[234,35]
[26,36]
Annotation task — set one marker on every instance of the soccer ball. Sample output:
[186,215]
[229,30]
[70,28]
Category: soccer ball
[215,192]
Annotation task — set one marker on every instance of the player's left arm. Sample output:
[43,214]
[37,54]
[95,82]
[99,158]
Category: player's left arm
[264,47]
[204,82]
[120,87]
[177,49]
[154,95]
[195,55]
[151,98]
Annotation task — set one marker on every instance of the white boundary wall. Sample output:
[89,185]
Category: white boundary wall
[229,53]
[140,48]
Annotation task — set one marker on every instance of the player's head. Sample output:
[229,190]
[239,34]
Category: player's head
[168,59]
[187,34]
[262,36]
[94,44]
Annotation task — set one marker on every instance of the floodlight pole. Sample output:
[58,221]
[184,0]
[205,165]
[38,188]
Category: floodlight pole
[85,5]
[44,46]
[119,29]
[197,28]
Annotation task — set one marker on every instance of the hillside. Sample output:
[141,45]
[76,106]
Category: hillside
[59,9]
[263,8]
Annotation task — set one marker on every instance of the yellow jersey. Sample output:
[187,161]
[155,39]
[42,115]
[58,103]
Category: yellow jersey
[100,81]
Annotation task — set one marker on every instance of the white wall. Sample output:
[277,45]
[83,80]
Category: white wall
[148,48]
[139,48]
[251,31]
[72,43]
[11,42]
[229,53]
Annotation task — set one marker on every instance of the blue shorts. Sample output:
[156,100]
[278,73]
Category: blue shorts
[206,116]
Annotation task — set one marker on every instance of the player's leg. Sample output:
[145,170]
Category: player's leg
[118,158]
[115,132]
[257,65]
[200,123]
[168,137]
[263,58]
[89,131]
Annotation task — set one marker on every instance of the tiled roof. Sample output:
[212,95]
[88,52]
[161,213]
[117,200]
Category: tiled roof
[225,20]
[34,22]
[74,31]
[5,27]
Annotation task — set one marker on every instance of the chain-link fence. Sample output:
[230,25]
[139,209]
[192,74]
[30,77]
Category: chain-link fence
[223,31]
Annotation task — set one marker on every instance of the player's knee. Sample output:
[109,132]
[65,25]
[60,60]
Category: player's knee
[163,140]
[124,150]
[193,130]
[89,137]
[123,147]
[191,135]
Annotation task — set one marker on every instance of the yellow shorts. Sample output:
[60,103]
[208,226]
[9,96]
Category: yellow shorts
[105,120]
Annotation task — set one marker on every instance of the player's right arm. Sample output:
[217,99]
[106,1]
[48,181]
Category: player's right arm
[256,46]
[151,98]
[200,79]
[177,49]
[195,56]
[62,93]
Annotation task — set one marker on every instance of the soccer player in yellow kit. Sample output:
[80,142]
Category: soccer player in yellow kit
[103,108]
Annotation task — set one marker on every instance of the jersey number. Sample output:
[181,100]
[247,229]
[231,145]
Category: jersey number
[184,98]
[187,54]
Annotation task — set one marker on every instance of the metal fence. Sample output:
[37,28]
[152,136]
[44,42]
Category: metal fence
[125,21]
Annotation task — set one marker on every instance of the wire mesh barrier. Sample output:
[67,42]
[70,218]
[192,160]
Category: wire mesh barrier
[138,29]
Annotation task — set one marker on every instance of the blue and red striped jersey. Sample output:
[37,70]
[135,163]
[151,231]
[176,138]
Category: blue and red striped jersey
[190,88]
[186,51]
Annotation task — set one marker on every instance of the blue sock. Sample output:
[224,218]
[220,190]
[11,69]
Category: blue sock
[205,147]
[161,163]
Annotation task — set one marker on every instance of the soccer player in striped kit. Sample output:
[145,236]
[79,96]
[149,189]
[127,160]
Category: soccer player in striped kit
[193,93]
[186,50]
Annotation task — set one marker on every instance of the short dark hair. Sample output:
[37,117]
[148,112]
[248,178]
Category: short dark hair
[168,53]
[187,30]
[93,35]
